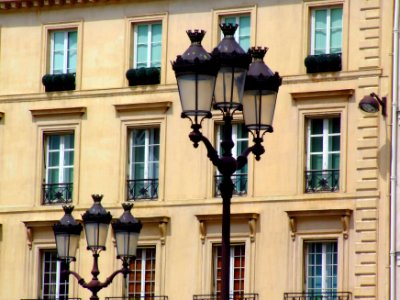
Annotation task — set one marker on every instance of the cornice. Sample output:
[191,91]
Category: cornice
[145,106]
[87,94]
[18,5]
[310,95]
[56,112]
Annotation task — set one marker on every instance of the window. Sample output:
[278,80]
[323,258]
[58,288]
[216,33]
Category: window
[240,138]
[242,34]
[326,30]
[141,282]
[144,152]
[54,286]
[237,270]
[321,268]
[147,45]
[63,55]
[59,168]
[323,154]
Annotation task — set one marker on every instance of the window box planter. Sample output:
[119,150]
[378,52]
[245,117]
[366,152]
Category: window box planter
[323,63]
[59,82]
[143,76]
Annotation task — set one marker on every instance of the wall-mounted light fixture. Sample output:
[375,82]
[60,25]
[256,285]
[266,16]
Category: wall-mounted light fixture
[371,103]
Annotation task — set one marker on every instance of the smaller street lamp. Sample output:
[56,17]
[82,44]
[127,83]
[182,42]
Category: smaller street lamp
[96,221]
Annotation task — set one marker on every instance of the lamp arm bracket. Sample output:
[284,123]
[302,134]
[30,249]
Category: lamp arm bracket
[212,154]
[242,158]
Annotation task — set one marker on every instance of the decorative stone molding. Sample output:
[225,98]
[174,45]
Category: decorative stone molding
[249,218]
[56,112]
[342,215]
[31,225]
[162,222]
[311,95]
[162,106]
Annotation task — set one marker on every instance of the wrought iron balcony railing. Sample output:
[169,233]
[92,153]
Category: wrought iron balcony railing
[142,189]
[239,182]
[235,296]
[145,297]
[322,181]
[56,193]
[318,296]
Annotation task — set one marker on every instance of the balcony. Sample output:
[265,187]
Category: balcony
[236,296]
[57,193]
[145,297]
[239,181]
[142,189]
[318,296]
[321,181]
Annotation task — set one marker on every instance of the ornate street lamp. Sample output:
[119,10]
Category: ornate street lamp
[231,63]
[96,221]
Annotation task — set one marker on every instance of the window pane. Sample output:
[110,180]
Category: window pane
[54,142]
[334,161]
[69,141]
[317,126]
[316,162]
[244,32]
[320,19]
[316,144]
[141,281]
[334,143]
[142,32]
[334,125]
[68,175]
[320,42]
[229,20]
[69,158]
[156,32]
[54,159]
[58,40]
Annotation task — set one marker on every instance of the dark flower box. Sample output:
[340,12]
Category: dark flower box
[323,63]
[59,82]
[143,76]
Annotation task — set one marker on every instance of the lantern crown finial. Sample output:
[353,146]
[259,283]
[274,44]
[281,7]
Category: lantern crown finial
[97,197]
[228,29]
[258,52]
[196,35]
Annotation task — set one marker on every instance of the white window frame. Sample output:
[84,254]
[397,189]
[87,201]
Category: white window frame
[325,138]
[324,265]
[58,275]
[328,29]
[66,50]
[238,31]
[146,154]
[149,44]
[231,270]
[62,152]
[143,272]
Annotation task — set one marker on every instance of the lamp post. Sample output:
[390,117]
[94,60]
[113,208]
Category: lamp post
[96,221]
[221,79]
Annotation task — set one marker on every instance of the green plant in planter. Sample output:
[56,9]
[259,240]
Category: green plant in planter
[323,63]
[59,82]
[143,76]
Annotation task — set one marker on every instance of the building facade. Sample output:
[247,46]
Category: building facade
[89,105]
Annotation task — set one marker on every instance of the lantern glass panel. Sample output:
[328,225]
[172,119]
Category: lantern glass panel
[67,245]
[195,91]
[229,86]
[259,108]
[126,243]
[96,235]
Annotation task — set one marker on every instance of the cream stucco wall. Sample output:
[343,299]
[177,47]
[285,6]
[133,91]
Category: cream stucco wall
[276,183]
